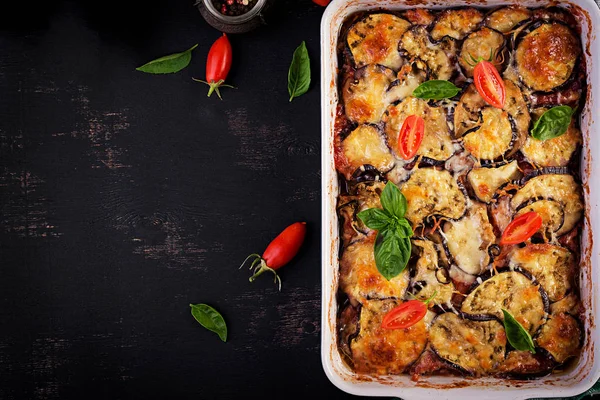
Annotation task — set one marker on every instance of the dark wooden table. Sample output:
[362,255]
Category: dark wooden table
[125,196]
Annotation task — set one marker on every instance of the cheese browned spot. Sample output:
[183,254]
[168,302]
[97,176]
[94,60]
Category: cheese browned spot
[476,346]
[366,145]
[436,143]
[485,181]
[381,351]
[552,215]
[560,336]
[556,152]
[437,56]
[426,273]
[365,98]
[361,280]
[494,136]
[560,188]
[553,266]
[512,291]
[506,18]
[469,238]
[374,40]
[485,44]
[456,23]
[546,56]
[429,191]
[419,16]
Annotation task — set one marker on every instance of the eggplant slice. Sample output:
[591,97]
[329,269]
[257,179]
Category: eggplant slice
[477,347]
[437,143]
[558,187]
[410,76]
[385,351]
[366,196]
[485,43]
[485,181]
[365,94]
[374,40]
[429,191]
[553,216]
[428,274]
[361,280]
[560,336]
[507,18]
[512,291]
[545,57]
[468,240]
[439,57]
[570,304]
[456,23]
[419,16]
[493,137]
[525,365]
[555,152]
[366,145]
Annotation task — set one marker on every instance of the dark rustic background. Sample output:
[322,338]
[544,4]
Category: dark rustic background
[125,196]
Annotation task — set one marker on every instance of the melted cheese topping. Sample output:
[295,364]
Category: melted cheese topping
[365,100]
[410,76]
[456,23]
[560,336]
[385,351]
[374,40]
[513,292]
[365,145]
[484,43]
[506,18]
[485,181]
[570,304]
[476,346]
[561,188]
[436,143]
[553,266]
[552,215]
[546,56]
[425,278]
[437,56]
[429,191]
[493,138]
[469,238]
[555,152]
[361,280]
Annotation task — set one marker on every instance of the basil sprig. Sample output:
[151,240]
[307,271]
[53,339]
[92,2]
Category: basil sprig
[210,318]
[392,245]
[518,337]
[436,90]
[168,64]
[299,72]
[553,123]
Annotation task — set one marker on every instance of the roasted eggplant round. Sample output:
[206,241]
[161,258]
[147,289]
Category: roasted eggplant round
[366,145]
[506,19]
[439,57]
[365,94]
[486,44]
[456,23]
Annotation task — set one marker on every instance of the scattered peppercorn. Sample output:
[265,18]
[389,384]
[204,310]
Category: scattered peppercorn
[234,8]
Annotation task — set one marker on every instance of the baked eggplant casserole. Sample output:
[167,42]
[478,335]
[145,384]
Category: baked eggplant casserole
[468,118]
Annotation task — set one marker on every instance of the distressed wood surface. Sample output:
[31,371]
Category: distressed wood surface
[125,196]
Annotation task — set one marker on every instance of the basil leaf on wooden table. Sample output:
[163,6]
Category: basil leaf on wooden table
[299,72]
[518,337]
[374,218]
[168,64]
[553,123]
[436,90]
[210,318]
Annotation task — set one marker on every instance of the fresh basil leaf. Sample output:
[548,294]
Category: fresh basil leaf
[210,318]
[374,218]
[393,201]
[403,228]
[391,254]
[168,64]
[553,123]
[517,336]
[299,72]
[436,90]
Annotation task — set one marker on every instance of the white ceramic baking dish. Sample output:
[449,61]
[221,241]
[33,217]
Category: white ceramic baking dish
[586,370]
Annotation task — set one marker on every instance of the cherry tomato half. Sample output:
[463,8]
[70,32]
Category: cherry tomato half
[521,228]
[322,3]
[410,136]
[405,315]
[489,83]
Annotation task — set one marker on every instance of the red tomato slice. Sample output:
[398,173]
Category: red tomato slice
[410,136]
[521,228]
[322,2]
[489,83]
[405,315]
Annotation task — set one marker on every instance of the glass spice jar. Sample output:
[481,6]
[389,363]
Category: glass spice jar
[233,16]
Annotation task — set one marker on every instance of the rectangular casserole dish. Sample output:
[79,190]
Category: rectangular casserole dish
[585,371]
